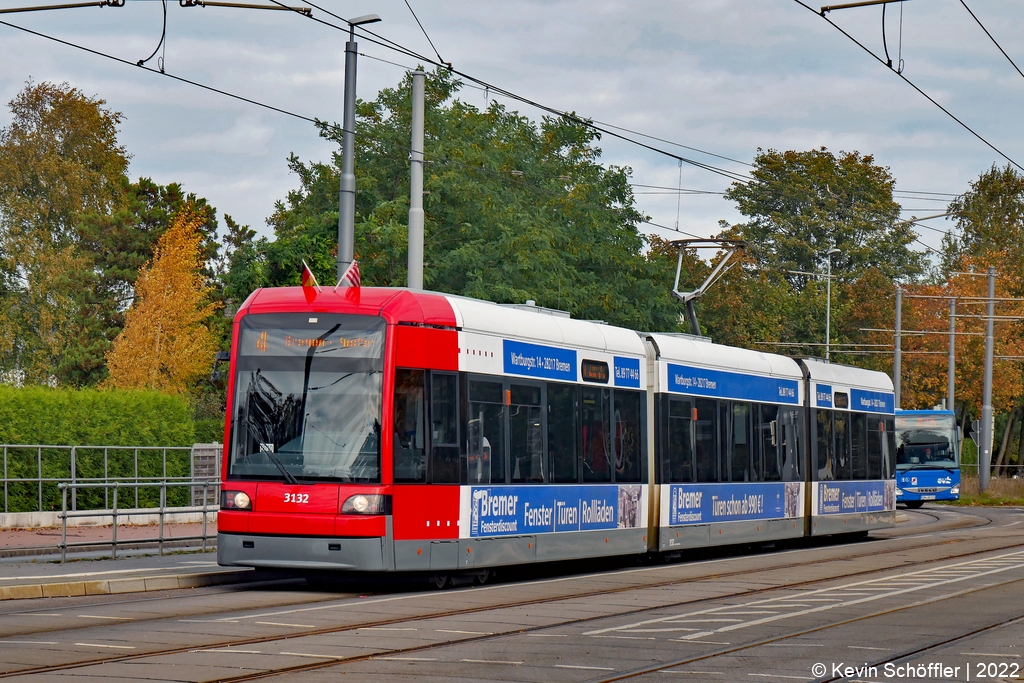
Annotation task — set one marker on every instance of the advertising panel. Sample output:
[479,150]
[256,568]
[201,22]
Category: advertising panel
[706,503]
[848,497]
[823,395]
[686,379]
[515,510]
[872,401]
[534,360]
[627,372]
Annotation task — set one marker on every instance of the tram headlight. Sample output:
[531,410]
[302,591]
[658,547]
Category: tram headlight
[235,500]
[366,504]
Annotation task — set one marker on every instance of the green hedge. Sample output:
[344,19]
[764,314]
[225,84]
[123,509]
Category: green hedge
[92,417]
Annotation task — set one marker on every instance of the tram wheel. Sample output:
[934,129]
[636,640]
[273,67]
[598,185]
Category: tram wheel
[482,577]
[914,504]
[439,581]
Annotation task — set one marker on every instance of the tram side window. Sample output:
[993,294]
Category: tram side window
[526,434]
[595,432]
[858,446]
[768,431]
[788,432]
[706,451]
[740,443]
[679,447]
[889,449]
[841,443]
[826,461]
[875,437]
[485,461]
[562,433]
[444,428]
[628,435]
[409,448]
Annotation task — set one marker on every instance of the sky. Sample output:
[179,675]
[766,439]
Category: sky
[727,77]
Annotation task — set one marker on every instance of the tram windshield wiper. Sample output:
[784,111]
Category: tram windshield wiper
[288,476]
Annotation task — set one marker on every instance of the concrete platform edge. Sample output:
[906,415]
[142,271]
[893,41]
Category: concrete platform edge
[129,585]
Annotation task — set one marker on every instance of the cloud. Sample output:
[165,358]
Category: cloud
[728,76]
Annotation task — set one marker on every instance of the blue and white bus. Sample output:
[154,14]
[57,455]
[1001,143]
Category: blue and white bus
[927,457]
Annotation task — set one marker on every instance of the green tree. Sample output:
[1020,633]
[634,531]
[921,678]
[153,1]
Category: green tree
[59,158]
[801,204]
[514,211]
[117,244]
[990,220]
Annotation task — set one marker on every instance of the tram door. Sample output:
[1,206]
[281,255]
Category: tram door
[681,440]
[526,430]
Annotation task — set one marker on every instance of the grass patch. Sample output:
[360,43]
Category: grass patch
[1001,491]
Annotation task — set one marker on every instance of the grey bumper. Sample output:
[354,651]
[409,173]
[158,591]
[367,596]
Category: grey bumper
[298,552]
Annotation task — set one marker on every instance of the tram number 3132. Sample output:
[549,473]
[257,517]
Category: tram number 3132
[296,497]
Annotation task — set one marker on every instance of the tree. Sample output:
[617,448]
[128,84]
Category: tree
[167,343]
[514,210]
[990,219]
[924,356]
[59,158]
[801,204]
[118,244]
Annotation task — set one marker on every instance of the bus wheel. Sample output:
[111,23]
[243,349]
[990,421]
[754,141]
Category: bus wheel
[439,581]
[482,577]
[914,504]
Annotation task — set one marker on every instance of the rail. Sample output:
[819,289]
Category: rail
[211,503]
[32,472]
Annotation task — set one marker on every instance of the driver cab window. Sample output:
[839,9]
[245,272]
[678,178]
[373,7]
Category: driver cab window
[409,436]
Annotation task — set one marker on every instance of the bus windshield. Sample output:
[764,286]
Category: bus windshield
[926,441]
[307,398]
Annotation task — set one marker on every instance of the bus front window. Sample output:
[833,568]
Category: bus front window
[927,441]
[307,398]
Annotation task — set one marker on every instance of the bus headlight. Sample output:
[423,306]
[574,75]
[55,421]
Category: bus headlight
[955,490]
[899,492]
[366,504]
[235,500]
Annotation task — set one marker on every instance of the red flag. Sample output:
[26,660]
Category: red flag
[310,286]
[351,276]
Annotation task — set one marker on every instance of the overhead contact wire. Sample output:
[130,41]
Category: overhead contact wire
[912,85]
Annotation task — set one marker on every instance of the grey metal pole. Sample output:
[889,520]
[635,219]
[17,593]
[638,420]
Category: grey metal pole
[897,365]
[951,371]
[985,457]
[347,194]
[828,307]
[416,184]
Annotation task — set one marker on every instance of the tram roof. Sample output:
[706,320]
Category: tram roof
[397,304]
[711,355]
[394,304]
[847,375]
[475,315]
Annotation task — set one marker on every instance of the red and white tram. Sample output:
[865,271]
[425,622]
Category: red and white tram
[375,429]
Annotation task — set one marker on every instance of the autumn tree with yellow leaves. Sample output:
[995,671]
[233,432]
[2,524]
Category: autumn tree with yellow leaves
[166,343]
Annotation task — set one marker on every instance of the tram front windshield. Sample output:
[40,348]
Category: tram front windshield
[307,398]
[926,441]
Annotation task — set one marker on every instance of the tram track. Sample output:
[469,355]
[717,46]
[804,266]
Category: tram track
[635,673]
[924,649]
[79,605]
[398,620]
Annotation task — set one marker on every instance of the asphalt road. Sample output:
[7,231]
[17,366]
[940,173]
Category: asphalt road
[944,589]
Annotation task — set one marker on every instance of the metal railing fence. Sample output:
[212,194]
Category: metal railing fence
[32,473]
[210,498]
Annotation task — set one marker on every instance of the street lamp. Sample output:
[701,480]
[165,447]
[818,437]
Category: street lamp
[828,303]
[347,194]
